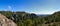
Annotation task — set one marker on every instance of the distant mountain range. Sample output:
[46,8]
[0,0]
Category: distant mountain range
[42,14]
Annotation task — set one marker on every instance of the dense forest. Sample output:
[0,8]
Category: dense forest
[31,19]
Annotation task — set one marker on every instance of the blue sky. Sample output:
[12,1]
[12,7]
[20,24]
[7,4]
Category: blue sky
[31,6]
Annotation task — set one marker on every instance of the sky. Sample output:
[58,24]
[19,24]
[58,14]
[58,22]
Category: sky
[31,6]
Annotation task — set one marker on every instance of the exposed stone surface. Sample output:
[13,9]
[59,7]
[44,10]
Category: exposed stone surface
[5,21]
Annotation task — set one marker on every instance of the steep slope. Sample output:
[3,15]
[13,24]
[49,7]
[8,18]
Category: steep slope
[6,22]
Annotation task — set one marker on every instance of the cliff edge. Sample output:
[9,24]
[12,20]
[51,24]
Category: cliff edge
[5,21]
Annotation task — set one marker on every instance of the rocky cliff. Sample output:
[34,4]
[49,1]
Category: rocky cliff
[5,21]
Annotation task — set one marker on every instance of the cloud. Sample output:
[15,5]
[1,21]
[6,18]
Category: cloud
[9,8]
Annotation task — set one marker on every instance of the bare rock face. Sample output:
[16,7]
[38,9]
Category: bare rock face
[5,21]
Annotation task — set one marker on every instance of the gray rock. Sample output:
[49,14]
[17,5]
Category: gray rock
[5,21]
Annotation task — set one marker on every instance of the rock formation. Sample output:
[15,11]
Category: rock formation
[5,21]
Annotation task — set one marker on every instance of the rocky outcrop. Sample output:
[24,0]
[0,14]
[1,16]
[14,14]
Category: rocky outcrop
[5,21]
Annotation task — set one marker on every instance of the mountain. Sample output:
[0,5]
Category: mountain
[43,15]
[29,19]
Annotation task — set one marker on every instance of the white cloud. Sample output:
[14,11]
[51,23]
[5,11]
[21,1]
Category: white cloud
[9,8]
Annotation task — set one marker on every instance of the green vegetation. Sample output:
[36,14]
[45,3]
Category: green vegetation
[26,19]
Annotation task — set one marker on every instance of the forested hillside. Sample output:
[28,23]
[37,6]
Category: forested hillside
[31,19]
